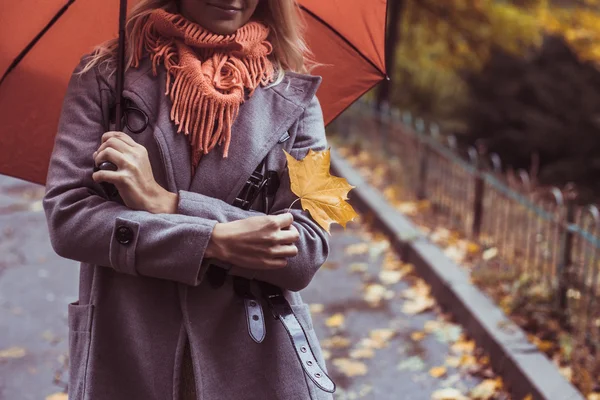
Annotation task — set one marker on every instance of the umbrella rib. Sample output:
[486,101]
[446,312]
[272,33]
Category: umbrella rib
[315,16]
[36,39]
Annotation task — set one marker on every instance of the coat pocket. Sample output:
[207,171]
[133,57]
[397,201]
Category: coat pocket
[80,324]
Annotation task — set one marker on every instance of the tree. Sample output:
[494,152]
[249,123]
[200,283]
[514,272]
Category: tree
[391,44]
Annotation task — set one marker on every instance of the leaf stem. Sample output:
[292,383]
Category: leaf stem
[293,204]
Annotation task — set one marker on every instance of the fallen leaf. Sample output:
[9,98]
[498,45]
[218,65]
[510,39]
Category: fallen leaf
[330,265]
[377,248]
[473,248]
[57,396]
[467,361]
[362,352]
[456,253]
[486,389]
[335,321]
[408,208]
[12,352]
[414,364]
[390,277]
[451,381]
[453,362]
[375,294]
[440,235]
[336,342]
[437,372]
[365,390]
[316,308]
[381,337]
[359,267]
[432,326]
[322,194]
[463,346]
[448,333]
[350,367]
[357,249]
[418,305]
[489,254]
[448,394]
[544,345]
[419,289]
[417,336]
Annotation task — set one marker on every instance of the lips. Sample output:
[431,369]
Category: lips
[225,7]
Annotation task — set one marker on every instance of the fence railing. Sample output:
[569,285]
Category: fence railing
[540,234]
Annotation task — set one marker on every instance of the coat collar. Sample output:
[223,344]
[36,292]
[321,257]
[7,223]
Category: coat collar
[267,115]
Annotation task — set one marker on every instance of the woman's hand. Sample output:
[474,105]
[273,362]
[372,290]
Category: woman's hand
[263,242]
[133,179]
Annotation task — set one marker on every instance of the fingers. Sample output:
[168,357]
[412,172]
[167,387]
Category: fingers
[112,143]
[125,138]
[275,263]
[113,177]
[288,236]
[283,220]
[286,251]
[112,155]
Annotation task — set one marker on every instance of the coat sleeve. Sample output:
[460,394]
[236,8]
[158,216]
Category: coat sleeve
[313,244]
[86,227]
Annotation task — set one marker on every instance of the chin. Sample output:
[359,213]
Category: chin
[223,29]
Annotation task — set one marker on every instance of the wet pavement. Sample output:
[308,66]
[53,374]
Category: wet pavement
[367,311]
[35,287]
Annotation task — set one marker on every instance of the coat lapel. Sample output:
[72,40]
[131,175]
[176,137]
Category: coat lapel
[267,115]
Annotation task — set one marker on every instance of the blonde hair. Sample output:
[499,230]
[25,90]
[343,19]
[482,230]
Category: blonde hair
[290,52]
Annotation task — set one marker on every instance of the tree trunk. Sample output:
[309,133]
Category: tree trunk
[391,45]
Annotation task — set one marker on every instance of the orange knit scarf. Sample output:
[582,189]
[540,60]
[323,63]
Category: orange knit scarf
[207,74]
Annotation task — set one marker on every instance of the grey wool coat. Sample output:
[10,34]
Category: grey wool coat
[142,301]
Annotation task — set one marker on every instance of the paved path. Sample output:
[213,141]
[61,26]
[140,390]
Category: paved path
[351,284]
[374,349]
[35,287]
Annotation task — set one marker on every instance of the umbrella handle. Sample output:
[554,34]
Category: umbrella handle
[107,166]
[109,188]
[120,64]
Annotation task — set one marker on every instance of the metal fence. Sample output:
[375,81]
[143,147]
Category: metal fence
[541,234]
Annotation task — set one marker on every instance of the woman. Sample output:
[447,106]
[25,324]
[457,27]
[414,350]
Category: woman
[178,286]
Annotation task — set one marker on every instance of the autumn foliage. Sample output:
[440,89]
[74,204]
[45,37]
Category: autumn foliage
[440,41]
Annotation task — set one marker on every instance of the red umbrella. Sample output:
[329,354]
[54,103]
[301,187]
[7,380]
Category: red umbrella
[42,41]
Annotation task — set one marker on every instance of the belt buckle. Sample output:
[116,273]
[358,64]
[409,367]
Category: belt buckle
[250,191]
[277,304]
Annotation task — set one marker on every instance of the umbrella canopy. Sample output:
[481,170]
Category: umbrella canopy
[42,41]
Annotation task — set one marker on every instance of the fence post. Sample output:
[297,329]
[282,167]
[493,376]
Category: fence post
[423,160]
[385,126]
[566,248]
[479,187]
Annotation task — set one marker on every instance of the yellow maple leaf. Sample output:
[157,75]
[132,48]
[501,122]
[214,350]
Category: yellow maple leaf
[322,194]
[437,372]
[349,367]
[57,396]
[335,321]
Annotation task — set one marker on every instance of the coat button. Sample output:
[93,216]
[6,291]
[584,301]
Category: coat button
[124,234]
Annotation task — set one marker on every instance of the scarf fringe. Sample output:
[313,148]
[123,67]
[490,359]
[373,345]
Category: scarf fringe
[207,74]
